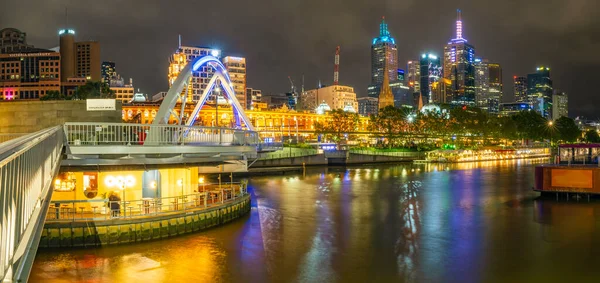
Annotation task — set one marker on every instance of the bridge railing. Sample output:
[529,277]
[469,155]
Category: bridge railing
[208,196]
[86,134]
[28,165]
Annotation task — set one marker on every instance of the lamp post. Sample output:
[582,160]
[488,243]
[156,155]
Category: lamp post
[550,126]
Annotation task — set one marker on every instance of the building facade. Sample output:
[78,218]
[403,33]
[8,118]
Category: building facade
[459,57]
[520,89]
[488,85]
[236,68]
[495,91]
[431,71]
[200,78]
[123,92]
[29,74]
[368,106]
[253,97]
[13,40]
[539,91]
[560,105]
[109,71]
[384,60]
[88,60]
[336,96]
[509,109]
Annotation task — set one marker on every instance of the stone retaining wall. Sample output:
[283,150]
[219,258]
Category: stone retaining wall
[117,231]
[34,115]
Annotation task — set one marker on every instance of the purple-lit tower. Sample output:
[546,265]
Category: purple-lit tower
[458,66]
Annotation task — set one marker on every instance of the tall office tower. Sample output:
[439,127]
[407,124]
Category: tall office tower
[200,78]
[13,40]
[88,60]
[560,105]
[368,106]
[520,87]
[109,71]
[67,54]
[495,91]
[539,91]
[384,60]
[459,57]
[482,80]
[236,67]
[413,78]
[431,71]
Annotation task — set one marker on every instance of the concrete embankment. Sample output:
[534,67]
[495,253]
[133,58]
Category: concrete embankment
[120,231]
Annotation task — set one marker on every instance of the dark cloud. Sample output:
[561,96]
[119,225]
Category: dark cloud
[295,37]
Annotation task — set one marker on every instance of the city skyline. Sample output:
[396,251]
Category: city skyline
[281,50]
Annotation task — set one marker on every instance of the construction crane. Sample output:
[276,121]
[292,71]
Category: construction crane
[336,67]
[293,90]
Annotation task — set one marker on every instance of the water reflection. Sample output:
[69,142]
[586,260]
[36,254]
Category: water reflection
[468,222]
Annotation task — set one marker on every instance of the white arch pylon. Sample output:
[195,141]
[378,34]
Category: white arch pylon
[166,107]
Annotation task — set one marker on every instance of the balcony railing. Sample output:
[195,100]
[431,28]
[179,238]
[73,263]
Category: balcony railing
[208,196]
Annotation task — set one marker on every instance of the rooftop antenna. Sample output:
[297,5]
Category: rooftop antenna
[179,46]
[302,83]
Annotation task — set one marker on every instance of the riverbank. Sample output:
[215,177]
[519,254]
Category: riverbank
[96,233]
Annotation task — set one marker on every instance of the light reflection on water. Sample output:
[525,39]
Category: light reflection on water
[467,222]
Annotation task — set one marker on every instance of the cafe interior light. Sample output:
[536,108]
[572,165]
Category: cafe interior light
[118,181]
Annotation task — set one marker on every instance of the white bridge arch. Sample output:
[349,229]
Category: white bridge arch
[167,107]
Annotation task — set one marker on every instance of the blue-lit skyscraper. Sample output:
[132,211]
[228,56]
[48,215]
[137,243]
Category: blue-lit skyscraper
[384,56]
[459,57]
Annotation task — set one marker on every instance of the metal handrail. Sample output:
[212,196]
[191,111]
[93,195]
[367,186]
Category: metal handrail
[104,209]
[395,154]
[90,133]
[28,165]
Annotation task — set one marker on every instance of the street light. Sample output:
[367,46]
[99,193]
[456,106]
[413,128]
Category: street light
[550,123]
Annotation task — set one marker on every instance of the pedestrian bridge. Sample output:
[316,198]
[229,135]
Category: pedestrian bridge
[117,145]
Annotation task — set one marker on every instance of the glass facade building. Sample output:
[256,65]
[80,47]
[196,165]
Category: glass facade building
[431,71]
[539,91]
[459,57]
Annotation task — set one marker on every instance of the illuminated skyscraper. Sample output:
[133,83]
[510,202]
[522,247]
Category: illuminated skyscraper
[560,105]
[108,71]
[482,82]
[236,67]
[539,91]
[413,78]
[459,57]
[495,91]
[431,71]
[200,78]
[520,86]
[384,56]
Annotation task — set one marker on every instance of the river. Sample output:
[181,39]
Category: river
[471,222]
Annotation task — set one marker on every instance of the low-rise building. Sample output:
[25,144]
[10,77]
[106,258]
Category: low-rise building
[367,106]
[29,74]
[509,109]
[336,96]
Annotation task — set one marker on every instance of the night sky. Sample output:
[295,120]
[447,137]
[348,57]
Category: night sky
[295,37]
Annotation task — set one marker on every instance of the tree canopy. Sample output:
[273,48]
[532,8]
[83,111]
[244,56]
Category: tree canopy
[341,124]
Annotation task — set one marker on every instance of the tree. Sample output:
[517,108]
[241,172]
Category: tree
[341,124]
[592,136]
[53,95]
[389,123]
[567,129]
[93,90]
[531,125]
